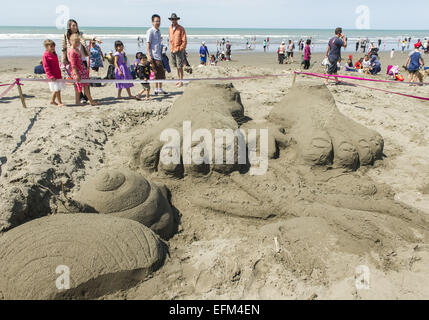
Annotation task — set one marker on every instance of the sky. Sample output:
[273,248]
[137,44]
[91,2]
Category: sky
[381,14]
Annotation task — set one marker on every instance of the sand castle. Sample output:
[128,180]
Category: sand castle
[103,254]
[128,195]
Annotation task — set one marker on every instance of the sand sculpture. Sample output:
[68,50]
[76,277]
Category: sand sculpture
[129,195]
[307,118]
[314,153]
[213,106]
[103,254]
[322,134]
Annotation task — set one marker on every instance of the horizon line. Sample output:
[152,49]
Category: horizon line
[250,28]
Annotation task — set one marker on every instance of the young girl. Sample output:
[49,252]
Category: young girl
[53,72]
[121,69]
[78,70]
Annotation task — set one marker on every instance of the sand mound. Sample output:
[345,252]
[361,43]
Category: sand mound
[103,254]
[128,195]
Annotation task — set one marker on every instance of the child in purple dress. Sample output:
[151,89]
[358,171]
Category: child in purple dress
[122,72]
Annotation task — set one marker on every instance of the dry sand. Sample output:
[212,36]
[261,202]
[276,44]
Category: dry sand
[321,224]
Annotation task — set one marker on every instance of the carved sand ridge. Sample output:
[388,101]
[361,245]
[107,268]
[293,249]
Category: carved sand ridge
[104,254]
[129,195]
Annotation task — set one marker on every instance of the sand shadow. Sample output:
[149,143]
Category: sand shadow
[10,99]
[30,126]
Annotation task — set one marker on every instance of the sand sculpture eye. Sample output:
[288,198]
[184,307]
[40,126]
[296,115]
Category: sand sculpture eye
[128,195]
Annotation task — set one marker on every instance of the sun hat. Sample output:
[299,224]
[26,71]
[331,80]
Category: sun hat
[174,17]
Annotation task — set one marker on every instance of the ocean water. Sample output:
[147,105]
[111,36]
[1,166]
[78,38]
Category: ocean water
[28,41]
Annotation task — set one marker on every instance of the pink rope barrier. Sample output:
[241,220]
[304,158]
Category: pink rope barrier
[327,76]
[358,78]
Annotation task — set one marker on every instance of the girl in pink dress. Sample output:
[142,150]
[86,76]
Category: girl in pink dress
[78,70]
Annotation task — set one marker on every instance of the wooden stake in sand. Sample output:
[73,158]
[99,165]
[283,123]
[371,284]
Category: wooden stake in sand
[24,105]
[294,79]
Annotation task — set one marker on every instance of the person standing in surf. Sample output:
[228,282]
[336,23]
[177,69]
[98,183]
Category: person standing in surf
[333,52]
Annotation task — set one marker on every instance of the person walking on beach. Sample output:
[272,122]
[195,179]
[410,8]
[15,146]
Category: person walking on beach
[265,45]
[357,45]
[333,52]
[154,52]
[122,72]
[53,72]
[414,62]
[204,53]
[307,55]
[228,51]
[178,43]
[282,52]
[290,49]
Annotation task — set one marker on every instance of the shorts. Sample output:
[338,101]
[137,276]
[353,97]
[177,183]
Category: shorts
[146,86]
[332,67]
[178,59]
[412,71]
[158,69]
[56,86]
[290,54]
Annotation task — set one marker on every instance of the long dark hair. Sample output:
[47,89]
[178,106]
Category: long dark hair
[69,32]
[118,44]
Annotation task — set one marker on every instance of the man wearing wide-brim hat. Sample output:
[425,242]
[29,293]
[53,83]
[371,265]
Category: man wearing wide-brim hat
[178,42]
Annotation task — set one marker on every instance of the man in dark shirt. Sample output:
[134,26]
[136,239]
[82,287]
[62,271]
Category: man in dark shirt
[333,53]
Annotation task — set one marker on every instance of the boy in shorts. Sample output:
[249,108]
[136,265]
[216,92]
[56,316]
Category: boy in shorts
[143,73]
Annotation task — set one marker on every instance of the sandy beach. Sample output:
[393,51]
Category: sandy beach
[309,242]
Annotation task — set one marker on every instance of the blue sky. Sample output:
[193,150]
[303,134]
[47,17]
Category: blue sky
[221,13]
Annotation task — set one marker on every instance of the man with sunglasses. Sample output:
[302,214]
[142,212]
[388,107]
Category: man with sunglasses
[178,42]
